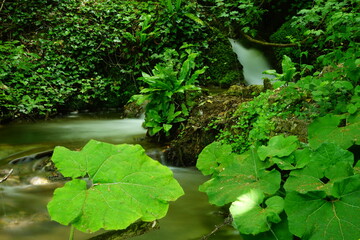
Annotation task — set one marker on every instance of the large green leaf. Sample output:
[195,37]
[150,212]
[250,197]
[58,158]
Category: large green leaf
[250,218]
[288,68]
[325,129]
[329,162]
[317,216]
[278,146]
[357,168]
[279,231]
[212,156]
[123,185]
[244,173]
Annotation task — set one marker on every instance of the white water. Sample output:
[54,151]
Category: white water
[73,130]
[253,62]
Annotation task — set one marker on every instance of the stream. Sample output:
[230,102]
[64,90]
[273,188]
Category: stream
[253,61]
[25,194]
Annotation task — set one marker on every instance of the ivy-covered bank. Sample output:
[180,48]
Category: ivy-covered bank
[59,56]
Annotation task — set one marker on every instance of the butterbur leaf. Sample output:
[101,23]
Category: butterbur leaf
[326,129]
[73,165]
[212,156]
[124,185]
[278,146]
[357,168]
[285,163]
[328,163]
[250,218]
[317,216]
[246,172]
[302,157]
[279,231]
[76,189]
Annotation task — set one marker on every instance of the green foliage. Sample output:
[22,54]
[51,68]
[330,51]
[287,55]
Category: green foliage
[253,122]
[246,14]
[112,187]
[89,53]
[332,219]
[328,129]
[168,93]
[335,87]
[286,189]
[287,75]
[247,206]
[212,156]
[278,146]
[334,90]
[321,27]
[285,34]
[17,75]
[241,174]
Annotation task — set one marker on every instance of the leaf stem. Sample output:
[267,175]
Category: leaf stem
[72,229]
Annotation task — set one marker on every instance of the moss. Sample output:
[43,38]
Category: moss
[283,35]
[224,67]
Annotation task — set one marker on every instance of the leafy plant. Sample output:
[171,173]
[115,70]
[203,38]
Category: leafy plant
[329,129]
[85,54]
[112,187]
[289,72]
[167,94]
[288,189]
[253,122]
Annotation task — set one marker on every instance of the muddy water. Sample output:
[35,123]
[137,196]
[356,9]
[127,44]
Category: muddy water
[23,197]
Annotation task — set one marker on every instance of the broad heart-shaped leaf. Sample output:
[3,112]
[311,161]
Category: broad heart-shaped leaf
[86,162]
[329,161]
[279,231]
[325,129]
[212,156]
[357,168]
[278,146]
[124,185]
[246,172]
[250,218]
[315,216]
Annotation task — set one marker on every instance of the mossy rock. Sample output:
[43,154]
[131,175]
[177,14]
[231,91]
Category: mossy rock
[283,35]
[224,67]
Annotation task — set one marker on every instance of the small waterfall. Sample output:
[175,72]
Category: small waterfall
[253,62]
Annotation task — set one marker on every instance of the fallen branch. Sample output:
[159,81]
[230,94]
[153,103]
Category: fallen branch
[248,37]
[7,176]
[227,221]
[2,5]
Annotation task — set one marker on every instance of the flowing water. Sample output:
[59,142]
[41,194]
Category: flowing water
[253,61]
[24,195]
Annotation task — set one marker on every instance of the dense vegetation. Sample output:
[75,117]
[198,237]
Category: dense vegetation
[63,55]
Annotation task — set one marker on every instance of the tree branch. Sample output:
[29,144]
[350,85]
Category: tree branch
[2,5]
[227,221]
[248,37]
[7,176]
